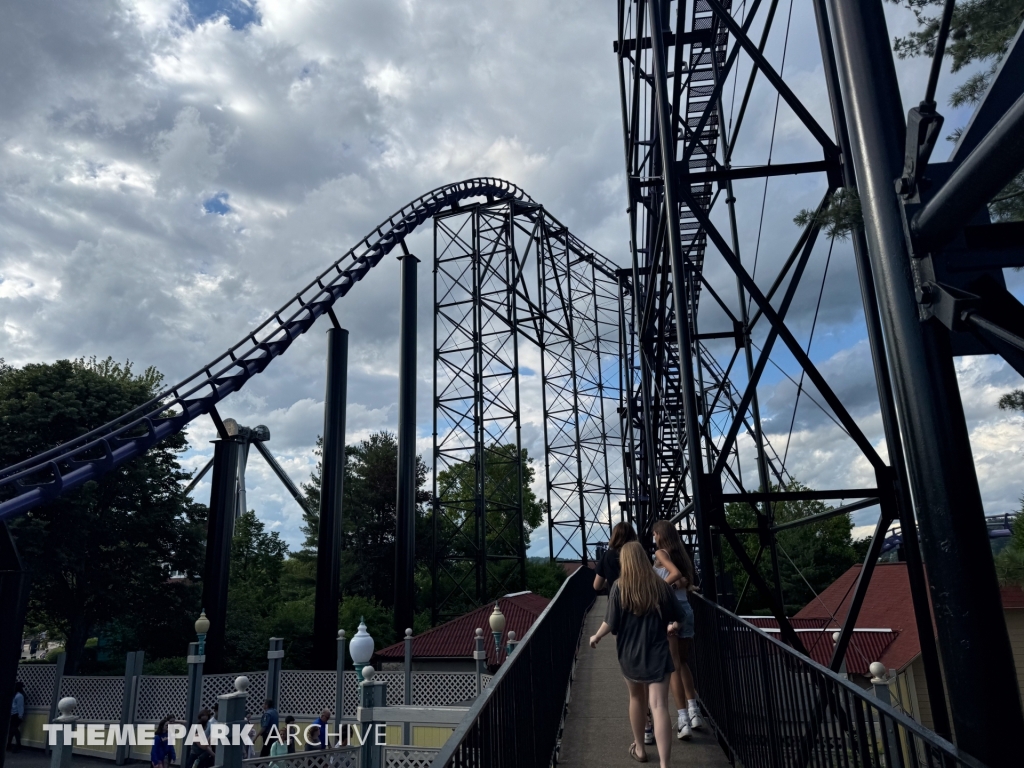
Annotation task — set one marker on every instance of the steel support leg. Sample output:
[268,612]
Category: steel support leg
[13,603]
[332,487]
[968,612]
[227,457]
[405,511]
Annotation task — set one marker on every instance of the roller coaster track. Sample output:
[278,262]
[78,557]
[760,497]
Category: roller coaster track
[25,485]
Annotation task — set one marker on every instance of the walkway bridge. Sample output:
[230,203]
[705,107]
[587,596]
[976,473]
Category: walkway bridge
[650,369]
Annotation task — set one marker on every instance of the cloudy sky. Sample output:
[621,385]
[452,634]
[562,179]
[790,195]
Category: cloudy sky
[171,172]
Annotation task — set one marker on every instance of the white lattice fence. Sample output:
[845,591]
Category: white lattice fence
[159,696]
[350,695]
[396,686]
[306,693]
[99,698]
[403,757]
[218,685]
[442,689]
[38,682]
[343,757]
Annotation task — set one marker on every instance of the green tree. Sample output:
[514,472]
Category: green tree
[458,534]
[980,31]
[1010,562]
[102,556]
[368,516]
[811,556]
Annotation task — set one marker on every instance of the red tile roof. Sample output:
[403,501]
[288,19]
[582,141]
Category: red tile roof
[456,639]
[887,605]
[865,646]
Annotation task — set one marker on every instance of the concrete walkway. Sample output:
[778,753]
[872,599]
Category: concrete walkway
[597,732]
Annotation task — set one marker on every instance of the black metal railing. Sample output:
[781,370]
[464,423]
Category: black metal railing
[515,722]
[772,706]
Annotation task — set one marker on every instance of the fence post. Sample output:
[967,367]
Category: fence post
[194,696]
[132,673]
[880,687]
[371,694]
[275,654]
[480,656]
[407,698]
[232,714]
[61,756]
[339,689]
[58,679]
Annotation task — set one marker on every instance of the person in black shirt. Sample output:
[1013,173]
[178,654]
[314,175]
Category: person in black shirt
[608,566]
[642,610]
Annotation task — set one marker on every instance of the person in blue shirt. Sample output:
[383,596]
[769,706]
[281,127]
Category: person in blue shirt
[162,754]
[269,724]
[17,716]
[321,723]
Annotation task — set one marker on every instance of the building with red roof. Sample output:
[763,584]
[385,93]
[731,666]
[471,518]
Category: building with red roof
[449,647]
[886,631]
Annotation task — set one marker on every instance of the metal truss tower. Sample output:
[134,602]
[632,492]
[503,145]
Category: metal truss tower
[928,261]
[505,273]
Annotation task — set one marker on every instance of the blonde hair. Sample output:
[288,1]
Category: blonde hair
[640,589]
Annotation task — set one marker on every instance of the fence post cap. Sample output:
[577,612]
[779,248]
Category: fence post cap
[878,672]
[241,683]
[67,706]
[408,633]
[341,634]
[368,673]
[479,632]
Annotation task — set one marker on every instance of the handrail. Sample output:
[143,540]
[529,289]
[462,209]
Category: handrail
[774,706]
[515,721]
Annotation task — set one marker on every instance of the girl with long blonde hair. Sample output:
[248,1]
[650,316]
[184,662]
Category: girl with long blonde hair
[641,607]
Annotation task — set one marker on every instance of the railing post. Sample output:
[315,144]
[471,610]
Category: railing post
[880,687]
[132,672]
[194,696]
[407,698]
[275,653]
[339,688]
[480,657]
[60,757]
[58,679]
[372,693]
[232,713]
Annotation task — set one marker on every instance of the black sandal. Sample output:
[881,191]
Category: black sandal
[633,753]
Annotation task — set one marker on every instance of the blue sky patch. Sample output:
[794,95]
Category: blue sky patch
[239,13]
[217,204]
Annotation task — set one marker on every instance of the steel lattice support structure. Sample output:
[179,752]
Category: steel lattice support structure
[507,272]
[692,399]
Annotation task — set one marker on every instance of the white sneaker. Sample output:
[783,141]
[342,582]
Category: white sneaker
[683,731]
[649,735]
[696,722]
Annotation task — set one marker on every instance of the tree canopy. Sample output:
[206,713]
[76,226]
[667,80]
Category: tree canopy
[103,556]
[811,556]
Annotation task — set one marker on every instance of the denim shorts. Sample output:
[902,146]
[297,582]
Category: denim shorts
[686,628]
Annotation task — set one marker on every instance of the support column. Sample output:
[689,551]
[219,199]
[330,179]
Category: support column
[339,688]
[332,487]
[973,640]
[194,696]
[275,655]
[132,673]
[227,455]
[405,509]
[13,603]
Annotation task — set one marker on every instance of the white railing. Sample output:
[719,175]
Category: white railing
[159,696]
[38,681]
[339,757]
[99,698]
[409,757]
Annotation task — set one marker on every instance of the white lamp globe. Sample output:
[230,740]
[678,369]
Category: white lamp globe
[497,620]
[360,647]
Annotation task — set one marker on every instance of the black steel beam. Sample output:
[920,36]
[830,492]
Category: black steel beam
[405,509]
[227,457]
[843,510]
[840,493]
[968,612]
[731,173]
[281,474]
[993,163]
[14,583]
[332,490]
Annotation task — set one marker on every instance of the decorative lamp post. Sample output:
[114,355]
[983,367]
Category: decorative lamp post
[202,627]
[497,622]
[360,648]
[511,643]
